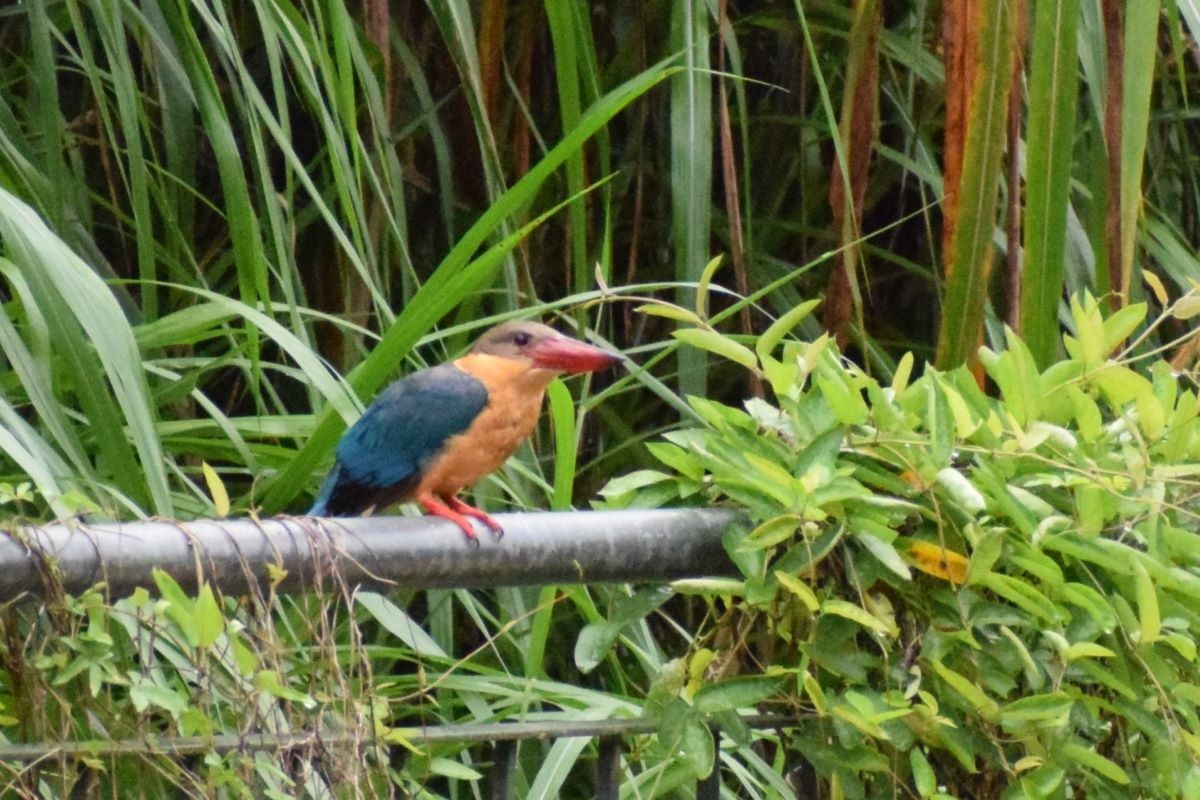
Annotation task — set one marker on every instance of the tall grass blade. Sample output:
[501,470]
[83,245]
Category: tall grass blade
[1141,53]
[114,391]
[1053,89]
[971,247]
[691,167]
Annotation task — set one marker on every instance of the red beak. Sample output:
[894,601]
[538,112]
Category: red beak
[570,355]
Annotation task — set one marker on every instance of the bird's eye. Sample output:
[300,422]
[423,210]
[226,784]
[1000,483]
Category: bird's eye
[520,339]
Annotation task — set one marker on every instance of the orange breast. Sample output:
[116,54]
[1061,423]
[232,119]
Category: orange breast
[514,401]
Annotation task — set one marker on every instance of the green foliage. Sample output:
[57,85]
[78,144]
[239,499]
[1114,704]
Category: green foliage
[211,211]
[970,595]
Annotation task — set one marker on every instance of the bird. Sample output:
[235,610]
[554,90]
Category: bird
[439,430]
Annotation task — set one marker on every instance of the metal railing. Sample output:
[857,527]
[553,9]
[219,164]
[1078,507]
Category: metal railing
[376,552]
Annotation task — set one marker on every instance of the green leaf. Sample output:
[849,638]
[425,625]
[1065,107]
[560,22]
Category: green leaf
[843,397]
[1120,324]
[398,623]
[144,694]
[857,614]
[773,335]
[923,774]
[633,481]
[1088,650]
[670,311]
[720,345]
[735,693]
[210,622]
[1091,601]
[1022,595]
[706,276]
[985,554]
[1073,754]
[597,639]
[449,768]
[772,532]
[903,372]
[798,588]
[1042,710]
[983,704]
[1149,618]
[1053,89]
[268,681]
[1187,306]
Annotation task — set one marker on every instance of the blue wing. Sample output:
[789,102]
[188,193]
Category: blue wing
[382,456]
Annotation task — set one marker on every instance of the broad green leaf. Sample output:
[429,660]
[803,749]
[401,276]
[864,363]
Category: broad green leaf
[1022,595]
[772,532]
[984,555]
[720,345]
[735,693]
[597,639]
[773,335]
[1041,709]
[923,775]
[1073,754]
[1091,601]
[854,613]
[638,479]
[1149,618]
[798,588]
[986,706]
[843,398]
[210,622]
[143,694]
[1121,324]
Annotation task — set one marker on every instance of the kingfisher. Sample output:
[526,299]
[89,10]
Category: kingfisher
[435,432]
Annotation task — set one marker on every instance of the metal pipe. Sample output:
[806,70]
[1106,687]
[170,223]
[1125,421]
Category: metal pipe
[305,553]
[469,732]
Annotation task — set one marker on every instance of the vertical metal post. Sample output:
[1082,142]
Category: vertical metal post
[504,760]
[709,788]
[608,768]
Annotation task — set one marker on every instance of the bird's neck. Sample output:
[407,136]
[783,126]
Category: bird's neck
[513,373]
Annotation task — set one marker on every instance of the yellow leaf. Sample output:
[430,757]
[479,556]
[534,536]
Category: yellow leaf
[934,560]
[1156,286]
[216,489]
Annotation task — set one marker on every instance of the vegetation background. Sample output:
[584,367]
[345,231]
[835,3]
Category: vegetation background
[226,225]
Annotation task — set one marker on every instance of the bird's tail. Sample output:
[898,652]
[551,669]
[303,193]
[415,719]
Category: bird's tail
[319,507]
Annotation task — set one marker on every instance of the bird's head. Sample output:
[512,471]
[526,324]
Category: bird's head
[544,347]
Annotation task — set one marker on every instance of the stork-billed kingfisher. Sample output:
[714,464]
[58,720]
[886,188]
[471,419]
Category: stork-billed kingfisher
[435,432]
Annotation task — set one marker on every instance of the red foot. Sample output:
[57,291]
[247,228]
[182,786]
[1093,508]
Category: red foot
[457,511]
[438,509]
[471,511]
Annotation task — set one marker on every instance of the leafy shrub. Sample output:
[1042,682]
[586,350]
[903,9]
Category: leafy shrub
[963,595]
